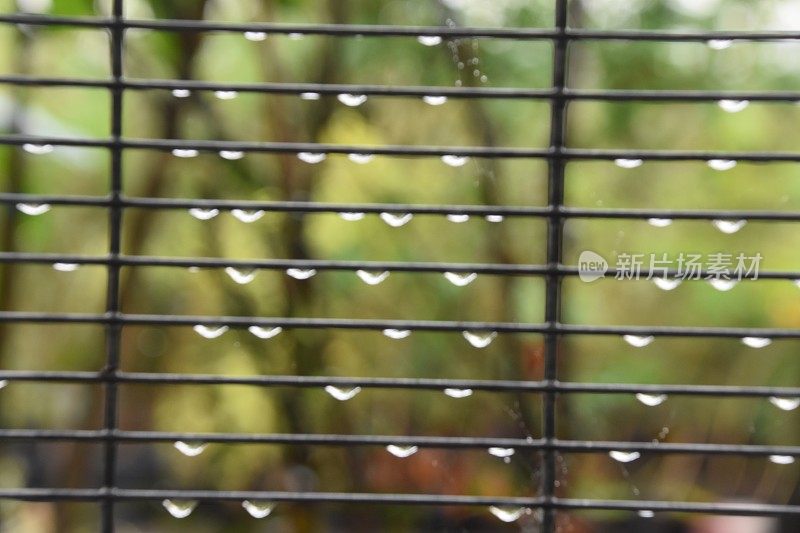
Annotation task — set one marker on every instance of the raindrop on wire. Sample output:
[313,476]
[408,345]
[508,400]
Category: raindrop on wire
[651,400]
[624,457]
[479,339]
[638,341]
[372,278]
[396,220]
[300,273]
[258,509]
[342,394]
[242,277]
[460,279]
[33,210]
[785,404]
[402,451]
[264,333]
[190,449]
[210,332]
[508,514]
[179,508]
[203,214]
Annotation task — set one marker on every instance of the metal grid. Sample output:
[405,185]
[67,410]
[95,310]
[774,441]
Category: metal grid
[557,155]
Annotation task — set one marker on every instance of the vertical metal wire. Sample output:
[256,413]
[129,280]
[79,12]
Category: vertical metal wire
[554,252]
[114,328]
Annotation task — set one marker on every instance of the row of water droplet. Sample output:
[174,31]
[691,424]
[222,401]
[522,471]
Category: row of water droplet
[313,158]
[394,220]
[478,339]
[261,509]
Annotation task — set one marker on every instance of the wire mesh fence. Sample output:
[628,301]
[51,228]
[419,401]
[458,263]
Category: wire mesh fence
[541,394]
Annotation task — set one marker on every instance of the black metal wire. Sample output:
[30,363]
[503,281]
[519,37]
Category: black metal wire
[554,213]
[113,329]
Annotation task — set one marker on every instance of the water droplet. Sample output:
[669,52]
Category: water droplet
[756,342]
[733,106]
[264,333]
[723,285]
[721,164]
[190,449]
[255,36]
[181,93]
[226,95]
[646,513]
[231,155]
[429,40]
[38,149]
[300,273]
[258,509]
[495,218]
[458,218]
[628,163]
[342,394]
[719,44]
[203,214]
[296,36]
[247,217]
[372,278]
[638,341]
[401,451]
[651,400]
[785,404]
[351,216]
[33,209]
[667,284]
[458,393]
[434,100]
[396,220]
[459,279]
[179,508]
[660,222]
[501,452]
[242,277]
[352,100]
[361,159]
[455,160]
[185,152]
[312,158]
[397,334]
[66,267]
[624,457]
[210,332]
[781,459]
[479,339]
[310,96]
[508,514]
[729,226]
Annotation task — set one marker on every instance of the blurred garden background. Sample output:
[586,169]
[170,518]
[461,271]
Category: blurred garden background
[396,61]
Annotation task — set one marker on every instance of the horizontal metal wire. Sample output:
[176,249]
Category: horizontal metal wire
[399,31]
[422,384]
[118,494]
[405,150]
[614,95]
[90,495]
[415,209]
[352,266]
[379,325]
[309,439]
